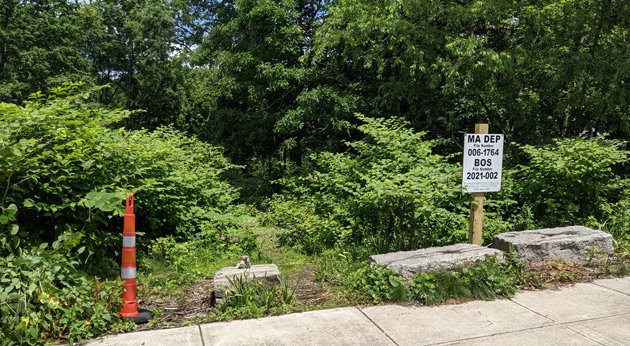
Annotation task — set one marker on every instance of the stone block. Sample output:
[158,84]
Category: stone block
[221,283]
[410,263]
[570,244]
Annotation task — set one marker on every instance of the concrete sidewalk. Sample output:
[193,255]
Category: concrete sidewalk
[596,313]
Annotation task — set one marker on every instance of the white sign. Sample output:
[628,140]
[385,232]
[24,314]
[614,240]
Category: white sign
[483,162]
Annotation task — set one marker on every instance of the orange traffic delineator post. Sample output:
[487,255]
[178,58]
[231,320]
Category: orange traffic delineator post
[128,267]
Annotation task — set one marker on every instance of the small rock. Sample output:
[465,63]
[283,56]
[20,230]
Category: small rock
[221,283]
[571,244]
[410,263]
[244,263]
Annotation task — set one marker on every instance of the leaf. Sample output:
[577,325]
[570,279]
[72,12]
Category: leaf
[12,208]
[16,152]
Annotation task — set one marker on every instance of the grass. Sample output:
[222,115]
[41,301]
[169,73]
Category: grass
[300,270]
[173,278]
[174,281]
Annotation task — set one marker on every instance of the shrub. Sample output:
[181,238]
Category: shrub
[299,225]
[67,164]
[369,281]
[388,185]
[170,264]
[617,216]
[65,167]
[569,181]
[487,279]
[335,266]
[44,296]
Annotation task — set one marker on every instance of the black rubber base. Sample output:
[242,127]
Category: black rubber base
[143,317]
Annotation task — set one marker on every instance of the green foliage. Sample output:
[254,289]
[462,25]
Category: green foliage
[41,47]
[569,181]
[377,283]
[247,73]
[535,70]
[334,265]
[487,279]
[133,47]
[44,296]
[169,264]
[67,168]
[282,78]
[390,192]
[389,185]
[617,220]
[348,268]
[300,226]
[247,298]
[276,83]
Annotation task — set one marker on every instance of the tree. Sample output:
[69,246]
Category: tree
[534,71]
[39,46]
[133,48]
[247,73]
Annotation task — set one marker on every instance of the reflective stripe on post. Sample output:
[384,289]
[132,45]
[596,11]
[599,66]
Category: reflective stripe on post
[128,273]
[128,261]
[129,241]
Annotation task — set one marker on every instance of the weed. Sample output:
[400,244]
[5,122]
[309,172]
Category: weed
[566,277]
[623,269]
[487,279]
[377,283]
[593,253]
[425,289]
[44,297]
[249,298]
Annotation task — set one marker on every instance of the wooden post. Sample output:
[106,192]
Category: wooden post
[476,205]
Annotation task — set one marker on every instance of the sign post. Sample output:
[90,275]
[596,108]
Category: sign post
[483,163]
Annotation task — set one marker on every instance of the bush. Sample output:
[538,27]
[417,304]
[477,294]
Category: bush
[170,264]
[377,283]
[300,226]
[488,279]
[66,165]
[617,216]
[369,281]
[389,185]
[43,296]
[391,192]
[569,181]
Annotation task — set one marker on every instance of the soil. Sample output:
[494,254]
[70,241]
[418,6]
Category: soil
[307,291]
[178,310]
[557,274]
